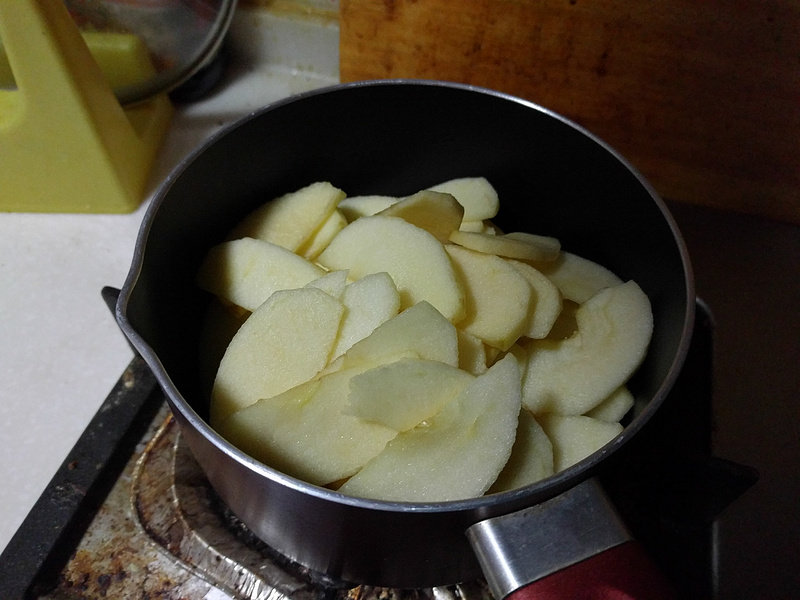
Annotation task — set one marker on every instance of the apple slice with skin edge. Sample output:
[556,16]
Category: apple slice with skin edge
[475,194]
[498,298]
[436,212]
[421,331]
[402,394]
[576,437]
[291,219]
[572,376]
[286,341]
[369,302]
[246,271]
[304,432]
[578,278]
[531,457]
[457,454]
[414,259]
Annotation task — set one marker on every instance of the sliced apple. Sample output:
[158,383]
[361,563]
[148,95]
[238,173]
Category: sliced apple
[457,454]
[420,330]
[435,212]
[355,207]
[531,457]
[522,246]
[304,432]
[291,219]
[402,394]
[572,376]
[247,271]
[471,353]
[546,303]
[578,278]
[475,194]
[333,283]
[498,298]
[615,407]
[286,341]
[414,259]
[576,437]
[320,239]
[369,302]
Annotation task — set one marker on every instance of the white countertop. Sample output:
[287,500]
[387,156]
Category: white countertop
[60,349]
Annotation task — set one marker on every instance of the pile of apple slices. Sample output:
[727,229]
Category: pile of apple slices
[406,349]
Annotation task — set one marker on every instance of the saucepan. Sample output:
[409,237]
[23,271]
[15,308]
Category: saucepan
[396,137]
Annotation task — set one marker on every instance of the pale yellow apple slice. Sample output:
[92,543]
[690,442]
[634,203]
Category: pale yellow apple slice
[286,341]
[402,394]
[333,283]
[414,259]
[576,437]
[304,432]
[457,454]
[546,303]
[435,212]
[522,246]
[291,219]
[531,457]
[355,207]
[572,376]
[420,330]
[320,239]
[471,353]
[615,407]
[369,302]
[475,194]
[578,278]
[247,271]
[498,298]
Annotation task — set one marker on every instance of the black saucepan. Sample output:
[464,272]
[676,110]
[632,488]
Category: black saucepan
[396,137]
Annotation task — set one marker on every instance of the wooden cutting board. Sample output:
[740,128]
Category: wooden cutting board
[702,97]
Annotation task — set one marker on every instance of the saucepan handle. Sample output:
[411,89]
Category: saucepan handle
[572,546]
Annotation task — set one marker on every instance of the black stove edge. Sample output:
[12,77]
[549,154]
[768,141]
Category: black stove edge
[55,525]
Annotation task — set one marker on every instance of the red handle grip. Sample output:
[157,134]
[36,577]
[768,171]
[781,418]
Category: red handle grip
[623,572]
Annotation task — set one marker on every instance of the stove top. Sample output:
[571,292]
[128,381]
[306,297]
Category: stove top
[131,514]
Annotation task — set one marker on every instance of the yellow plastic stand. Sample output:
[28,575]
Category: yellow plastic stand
[66,143]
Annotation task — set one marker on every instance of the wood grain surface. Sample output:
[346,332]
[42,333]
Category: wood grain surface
[702,97]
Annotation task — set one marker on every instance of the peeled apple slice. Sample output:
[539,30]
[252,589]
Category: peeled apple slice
[572,376]
[578,278]
[368,302]
[421,331]
[285,342]
[414,259]
[355,207]
[531,457]
[435,212]
[460,451]
[291,219]
[510,245]
[320,239]
[498,298]
[306,433]
[546,302]
[246,271]
[402,394]
[615,407]
[576,437]
[475,194]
